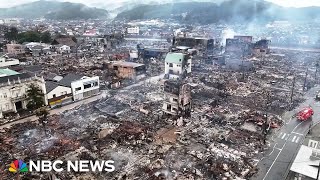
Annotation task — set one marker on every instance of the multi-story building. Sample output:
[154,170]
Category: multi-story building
[81,86]
[85,87]
[177,98]
[177,65]
[13,90]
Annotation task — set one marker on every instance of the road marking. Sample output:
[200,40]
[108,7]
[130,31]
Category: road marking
[287,136]
[275,160]
[297,140]
[284,134]
[298,133]
[294,138]
[279,135]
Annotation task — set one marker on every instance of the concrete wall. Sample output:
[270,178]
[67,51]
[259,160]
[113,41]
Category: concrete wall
[59,91]
[79,91]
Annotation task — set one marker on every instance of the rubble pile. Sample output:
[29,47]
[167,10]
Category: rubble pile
[223,138]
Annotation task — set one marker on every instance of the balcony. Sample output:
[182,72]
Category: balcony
[18,98]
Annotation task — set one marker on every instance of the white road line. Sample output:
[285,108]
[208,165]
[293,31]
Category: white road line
[280,134]
[284,135]
[298,133]
[287,136]
[297,140]
[275,160]
[294,138]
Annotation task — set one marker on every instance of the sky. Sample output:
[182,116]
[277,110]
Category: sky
[96,3]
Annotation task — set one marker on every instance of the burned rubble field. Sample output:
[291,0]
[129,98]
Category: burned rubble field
[222,139]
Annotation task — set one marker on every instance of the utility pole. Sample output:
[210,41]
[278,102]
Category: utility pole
[318,171]
[292,89]
[315,74]
[266,124]
[305,80]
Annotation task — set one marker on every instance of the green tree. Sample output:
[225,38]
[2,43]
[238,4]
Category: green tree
[46,37]
[12,34]
[42,114]
[29,36]
[35,97]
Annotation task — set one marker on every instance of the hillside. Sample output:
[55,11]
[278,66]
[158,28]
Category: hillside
[228,11]
[53,10]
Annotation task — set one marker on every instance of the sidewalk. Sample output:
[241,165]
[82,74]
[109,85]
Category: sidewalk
[56,111]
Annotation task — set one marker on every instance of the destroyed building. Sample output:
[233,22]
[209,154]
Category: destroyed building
[206,43]
[261,47]
[177,98]
[129,70]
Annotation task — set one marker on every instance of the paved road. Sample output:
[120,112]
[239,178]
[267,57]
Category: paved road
[286,142]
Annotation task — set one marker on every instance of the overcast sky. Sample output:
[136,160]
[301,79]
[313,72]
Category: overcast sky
[287,3]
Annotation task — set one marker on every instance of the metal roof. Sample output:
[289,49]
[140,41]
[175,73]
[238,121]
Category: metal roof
[303,164]
[176,58]
[7,72]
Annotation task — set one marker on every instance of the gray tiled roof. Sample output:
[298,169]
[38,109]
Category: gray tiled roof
[66,81]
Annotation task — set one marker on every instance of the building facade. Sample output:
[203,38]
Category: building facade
[177,65]
[57,94]
[13,91]
[177,98]
[85,87]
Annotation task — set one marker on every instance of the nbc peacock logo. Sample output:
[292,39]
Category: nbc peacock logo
[18,166]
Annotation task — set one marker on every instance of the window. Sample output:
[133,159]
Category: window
[170,65]
[95,84]
[5,95]
[168,107]
[7,106]
[313,144]
[54,95]
[78,89]
[175,100]
[87,86]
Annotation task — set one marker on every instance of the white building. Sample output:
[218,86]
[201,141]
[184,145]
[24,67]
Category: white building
[64,49]
[57,94]
[13,89]
[85,87]
[5,62]
[133,30]
[176,65]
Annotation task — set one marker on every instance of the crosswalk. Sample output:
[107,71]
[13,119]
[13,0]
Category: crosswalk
[294,137]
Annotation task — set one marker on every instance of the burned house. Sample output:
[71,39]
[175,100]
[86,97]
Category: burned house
[129,70]
[177,65]
[206,43]
[147,53]
[177,98]
[261,47]
[246,39]
[215,60]
[239,45]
